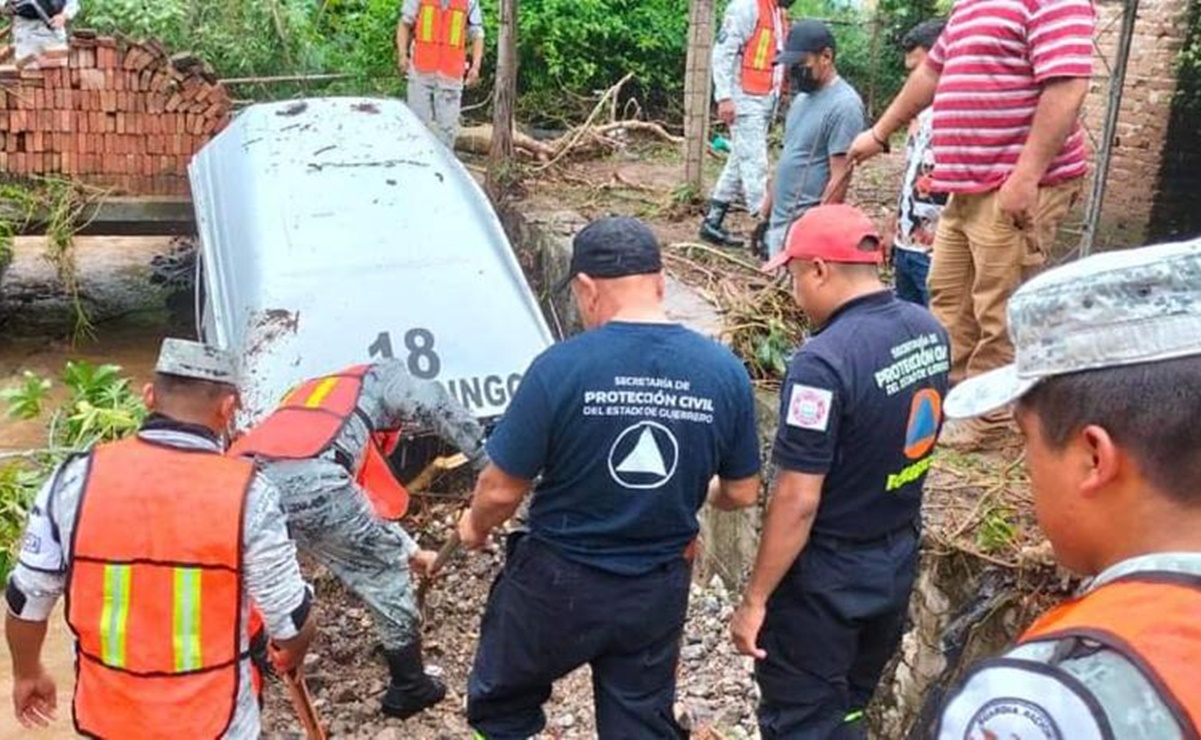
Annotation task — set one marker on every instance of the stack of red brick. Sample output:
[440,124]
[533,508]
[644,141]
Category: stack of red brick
[112,112]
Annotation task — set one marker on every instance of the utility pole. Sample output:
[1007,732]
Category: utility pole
[697,92]
[500,156]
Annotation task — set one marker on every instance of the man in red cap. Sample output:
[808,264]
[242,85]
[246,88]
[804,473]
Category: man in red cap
[860,410]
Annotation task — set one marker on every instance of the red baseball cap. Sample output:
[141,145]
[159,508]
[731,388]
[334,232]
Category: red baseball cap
[832,233]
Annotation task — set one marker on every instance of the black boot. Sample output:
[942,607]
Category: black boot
[410,690]
[712,230]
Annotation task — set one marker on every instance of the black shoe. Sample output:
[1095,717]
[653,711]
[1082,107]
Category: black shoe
[411,690]
[712,230]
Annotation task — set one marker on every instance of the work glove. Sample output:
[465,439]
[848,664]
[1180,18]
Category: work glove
[759,239]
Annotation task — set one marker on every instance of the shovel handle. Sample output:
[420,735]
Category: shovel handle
[302,702]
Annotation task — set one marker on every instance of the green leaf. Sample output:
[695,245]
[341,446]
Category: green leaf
[25,400]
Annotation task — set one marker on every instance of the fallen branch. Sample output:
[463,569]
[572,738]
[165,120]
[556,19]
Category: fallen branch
[580,131]
[715,252]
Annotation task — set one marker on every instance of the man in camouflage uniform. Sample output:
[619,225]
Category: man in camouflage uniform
[1108,354]
[747,113]
[31,33]
[331,516]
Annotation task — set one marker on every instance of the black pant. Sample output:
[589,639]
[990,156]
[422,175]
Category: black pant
[547,615]
[832,625]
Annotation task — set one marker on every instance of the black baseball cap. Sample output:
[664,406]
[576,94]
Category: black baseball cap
[613,247]
[806,36]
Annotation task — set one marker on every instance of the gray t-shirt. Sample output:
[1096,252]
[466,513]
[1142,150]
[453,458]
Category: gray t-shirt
[820,125]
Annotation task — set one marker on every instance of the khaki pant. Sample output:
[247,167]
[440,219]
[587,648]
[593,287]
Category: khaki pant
[980,258]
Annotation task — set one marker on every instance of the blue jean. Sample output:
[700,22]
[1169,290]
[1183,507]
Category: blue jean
[911,269]
[547,615]
[832,624]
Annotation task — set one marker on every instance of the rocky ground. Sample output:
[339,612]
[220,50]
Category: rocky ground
[347,676]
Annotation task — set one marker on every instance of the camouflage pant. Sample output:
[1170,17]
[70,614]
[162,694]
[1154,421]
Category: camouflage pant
[33,37]
[331,518]
[745,172]
[437,105]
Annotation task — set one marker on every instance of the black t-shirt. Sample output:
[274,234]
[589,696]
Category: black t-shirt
[862,404]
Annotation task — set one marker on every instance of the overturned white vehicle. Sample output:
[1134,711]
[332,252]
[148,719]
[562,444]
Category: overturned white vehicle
[337,230]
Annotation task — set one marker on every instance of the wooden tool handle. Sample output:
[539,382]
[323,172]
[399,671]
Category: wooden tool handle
[302,701]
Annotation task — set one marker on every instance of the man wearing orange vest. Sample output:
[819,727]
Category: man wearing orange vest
[746,86]
[326,448]
[436,33]
[1106,384]
[159,542]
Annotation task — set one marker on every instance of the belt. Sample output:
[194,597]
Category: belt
[835,542]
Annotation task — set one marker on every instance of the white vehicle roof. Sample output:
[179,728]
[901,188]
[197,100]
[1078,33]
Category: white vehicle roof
[335,231]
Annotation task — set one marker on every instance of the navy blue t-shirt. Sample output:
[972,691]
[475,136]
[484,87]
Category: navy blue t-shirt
[862,404]
[627,424]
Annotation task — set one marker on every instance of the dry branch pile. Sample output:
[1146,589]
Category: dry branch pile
[587,139]
[109,111]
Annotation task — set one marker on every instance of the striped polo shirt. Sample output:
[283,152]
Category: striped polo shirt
[992,59]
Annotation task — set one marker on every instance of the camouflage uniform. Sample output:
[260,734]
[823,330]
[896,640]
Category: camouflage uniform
[1027,680]
[331,516]
[435,99]
[32,37]
[745,172]
[1136,306]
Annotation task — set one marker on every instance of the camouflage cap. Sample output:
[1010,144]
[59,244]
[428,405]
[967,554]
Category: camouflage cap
[1116,308]
[189,359]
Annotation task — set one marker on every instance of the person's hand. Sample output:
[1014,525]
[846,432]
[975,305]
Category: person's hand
[744,629]
[1018,197]
[402,63]
[473,76]
[59,21]
[725,111]
[472,538]
[285,660]
[35,701]
[864,147]
[422,563]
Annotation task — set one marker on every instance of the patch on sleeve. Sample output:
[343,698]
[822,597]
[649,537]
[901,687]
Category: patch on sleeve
[809,407]
[39,549]
[1026,700]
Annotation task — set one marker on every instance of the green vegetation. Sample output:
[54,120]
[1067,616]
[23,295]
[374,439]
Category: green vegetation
[100,406]
[568,49]
[59,205]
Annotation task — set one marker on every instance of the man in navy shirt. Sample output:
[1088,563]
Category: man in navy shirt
[625,427]
[860,410]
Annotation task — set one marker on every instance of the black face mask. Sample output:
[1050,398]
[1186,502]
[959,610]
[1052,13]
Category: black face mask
[801,79]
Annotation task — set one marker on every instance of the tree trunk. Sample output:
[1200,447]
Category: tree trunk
[500,157]
[696,92]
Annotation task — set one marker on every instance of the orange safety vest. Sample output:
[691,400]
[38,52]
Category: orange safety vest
[1153,619]
[154,591]
[759,54]
[440,38]
[307,423]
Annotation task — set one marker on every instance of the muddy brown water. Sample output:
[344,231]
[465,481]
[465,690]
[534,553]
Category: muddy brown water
[133,346]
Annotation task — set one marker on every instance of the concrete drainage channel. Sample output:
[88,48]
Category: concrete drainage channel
[963,607]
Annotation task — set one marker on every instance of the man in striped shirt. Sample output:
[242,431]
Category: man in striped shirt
[1007,79]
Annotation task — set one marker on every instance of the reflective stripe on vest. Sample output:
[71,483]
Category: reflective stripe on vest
[439,44]
[114,615]
[1153,619]
[759,74]
[154,591]
[308,422]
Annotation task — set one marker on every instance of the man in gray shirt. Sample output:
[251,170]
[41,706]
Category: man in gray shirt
[824,118]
